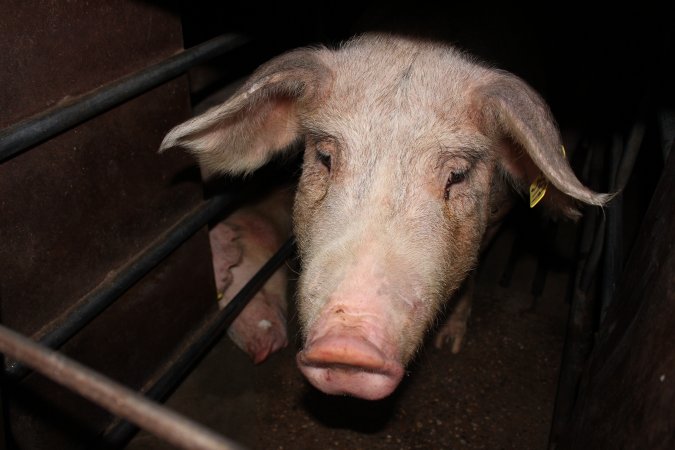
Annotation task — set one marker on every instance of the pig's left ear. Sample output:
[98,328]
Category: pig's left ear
[260,120]
[514,115]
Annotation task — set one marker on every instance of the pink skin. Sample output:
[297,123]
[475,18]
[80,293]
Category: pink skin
[352,347]
[226,253]
[410,145]
[350,359]
[240,245]
[260,329]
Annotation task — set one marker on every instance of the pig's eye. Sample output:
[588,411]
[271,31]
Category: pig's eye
[454,178]
[324,158]
[325,149]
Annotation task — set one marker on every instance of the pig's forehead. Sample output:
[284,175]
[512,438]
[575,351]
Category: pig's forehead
[398,86]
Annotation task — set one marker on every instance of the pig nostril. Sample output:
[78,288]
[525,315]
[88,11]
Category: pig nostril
[338,364]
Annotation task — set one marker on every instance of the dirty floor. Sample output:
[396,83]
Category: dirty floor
[497,393]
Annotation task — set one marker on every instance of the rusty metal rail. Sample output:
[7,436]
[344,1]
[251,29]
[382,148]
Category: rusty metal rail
[135,409]
[124,402]
[119,434]
[113,287]
[24,354]
[42,126]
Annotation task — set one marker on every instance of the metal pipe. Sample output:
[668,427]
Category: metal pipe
[115,285]
[46,124]
[580,332]
[612,262]
[580,317]
[630,154]
[121,401]
[120,433]
[624,161]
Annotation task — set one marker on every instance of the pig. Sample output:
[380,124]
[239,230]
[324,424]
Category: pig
[412,151]
[240,245]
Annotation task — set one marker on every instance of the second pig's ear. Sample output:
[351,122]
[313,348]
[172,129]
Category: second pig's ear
[261,119]
[516,116]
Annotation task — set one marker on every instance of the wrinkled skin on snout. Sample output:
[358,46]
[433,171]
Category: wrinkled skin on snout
[411,150]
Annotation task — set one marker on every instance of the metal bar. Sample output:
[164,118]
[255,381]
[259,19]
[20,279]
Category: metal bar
[612,261]
[114,286]
[619,176]
[580,316]
[630,154]
[550,230]
[46,124]
[156,419]
[122,432]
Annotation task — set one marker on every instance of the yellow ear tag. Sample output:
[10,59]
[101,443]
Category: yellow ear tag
[539,186]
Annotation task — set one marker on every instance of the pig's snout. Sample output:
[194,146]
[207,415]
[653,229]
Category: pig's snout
[361,331]
[343,362]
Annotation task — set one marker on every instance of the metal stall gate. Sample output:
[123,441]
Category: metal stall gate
[104,252]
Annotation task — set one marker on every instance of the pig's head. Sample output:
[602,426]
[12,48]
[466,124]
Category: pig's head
[408,146]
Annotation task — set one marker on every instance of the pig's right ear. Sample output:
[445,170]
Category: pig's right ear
[260,120]
[513,113]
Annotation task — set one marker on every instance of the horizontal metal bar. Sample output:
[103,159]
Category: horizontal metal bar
[46,124]
[114,286]
[120,400]
[119,434]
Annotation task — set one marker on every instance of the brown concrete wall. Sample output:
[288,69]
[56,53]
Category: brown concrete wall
[78,207]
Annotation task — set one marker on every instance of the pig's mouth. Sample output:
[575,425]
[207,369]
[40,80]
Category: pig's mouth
[348,365]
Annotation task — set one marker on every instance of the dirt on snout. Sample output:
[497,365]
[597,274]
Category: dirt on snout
[497,393]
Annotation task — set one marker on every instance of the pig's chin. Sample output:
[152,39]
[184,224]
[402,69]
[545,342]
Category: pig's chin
[349,365]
